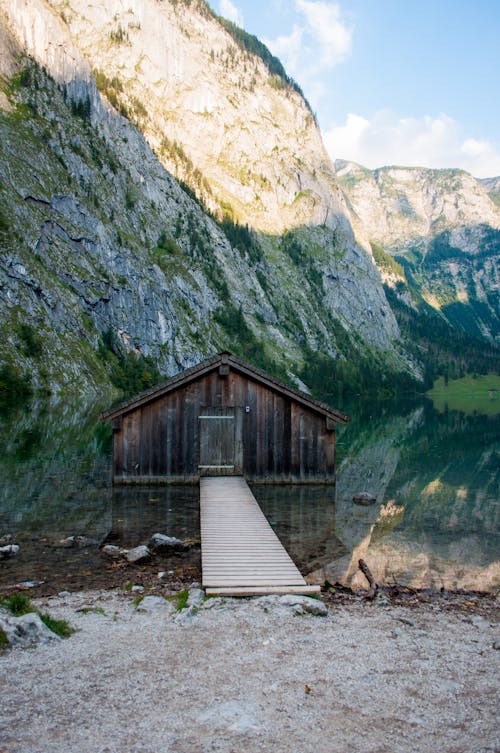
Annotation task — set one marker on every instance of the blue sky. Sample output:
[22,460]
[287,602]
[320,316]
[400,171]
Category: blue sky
[407,82]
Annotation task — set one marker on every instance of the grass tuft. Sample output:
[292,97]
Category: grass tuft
[18,604]
[61,628]
[4,641]
[180,598]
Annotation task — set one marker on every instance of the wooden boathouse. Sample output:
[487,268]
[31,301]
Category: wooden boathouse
[223,417]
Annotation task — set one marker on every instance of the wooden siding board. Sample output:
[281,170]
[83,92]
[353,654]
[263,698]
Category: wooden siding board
[278,437]
[162,418]
[118,460]
[261,432]
[155,443]
[179,435]
[171,431]
[269,448]
[311,447]
[287,438]
[145,441]
[250,432]
[190,432]
[132,459]
[238,440]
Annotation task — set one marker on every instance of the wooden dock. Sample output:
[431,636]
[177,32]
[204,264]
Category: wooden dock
[241,554]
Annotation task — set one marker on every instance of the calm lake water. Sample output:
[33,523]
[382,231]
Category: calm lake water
[435,477]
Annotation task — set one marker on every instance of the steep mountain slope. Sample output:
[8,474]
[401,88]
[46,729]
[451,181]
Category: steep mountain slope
[444,228]
[104,253]
[211,109]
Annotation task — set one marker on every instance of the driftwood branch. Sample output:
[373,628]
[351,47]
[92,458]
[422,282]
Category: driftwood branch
[369,577]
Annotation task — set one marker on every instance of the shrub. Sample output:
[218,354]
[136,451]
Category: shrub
[15,388]
[32,342]
[242,238]
[119,35]
[130,372]
[386,262]
[81,108]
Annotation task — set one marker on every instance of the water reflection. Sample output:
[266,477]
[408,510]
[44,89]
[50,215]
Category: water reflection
[435,477]
[303,518]
[54,472]
[139,512]
[435,523]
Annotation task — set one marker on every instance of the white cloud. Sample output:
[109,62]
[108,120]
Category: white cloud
[231,12]
[324,26]
[289,49]
[318,42]
[387,139]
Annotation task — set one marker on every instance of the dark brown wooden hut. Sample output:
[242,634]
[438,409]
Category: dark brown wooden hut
[223,417]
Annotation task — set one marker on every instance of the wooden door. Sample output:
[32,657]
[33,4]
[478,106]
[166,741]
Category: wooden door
[220,442]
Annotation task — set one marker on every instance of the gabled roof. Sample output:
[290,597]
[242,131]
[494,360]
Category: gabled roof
[236,364]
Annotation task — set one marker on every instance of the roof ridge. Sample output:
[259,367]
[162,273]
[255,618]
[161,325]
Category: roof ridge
[207,364]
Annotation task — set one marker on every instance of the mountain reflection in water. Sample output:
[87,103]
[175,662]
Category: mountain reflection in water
[435,477]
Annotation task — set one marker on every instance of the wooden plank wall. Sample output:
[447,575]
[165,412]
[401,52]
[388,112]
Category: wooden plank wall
[282,441]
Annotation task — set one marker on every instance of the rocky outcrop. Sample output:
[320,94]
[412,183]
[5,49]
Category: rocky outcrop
[25,631]
[401,206]
[209,104]
[445,227]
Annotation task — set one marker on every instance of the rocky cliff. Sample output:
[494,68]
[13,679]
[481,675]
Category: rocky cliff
[444,227]
[165,192]
[104,108]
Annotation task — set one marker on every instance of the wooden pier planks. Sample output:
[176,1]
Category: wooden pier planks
[241,554]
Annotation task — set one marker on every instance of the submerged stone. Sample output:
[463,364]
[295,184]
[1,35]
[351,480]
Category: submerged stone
[9,551]
[163,544]
[110,550]
[138,554]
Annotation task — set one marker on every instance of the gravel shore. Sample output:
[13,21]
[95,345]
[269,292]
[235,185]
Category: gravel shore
[252,675]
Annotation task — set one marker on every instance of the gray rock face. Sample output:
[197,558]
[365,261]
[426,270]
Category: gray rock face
[98,197]
[138,554]
[162,544]
[27,630]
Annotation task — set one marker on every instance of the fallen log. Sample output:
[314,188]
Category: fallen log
[369,577]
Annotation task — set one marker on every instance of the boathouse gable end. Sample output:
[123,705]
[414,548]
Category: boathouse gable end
[223,417]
